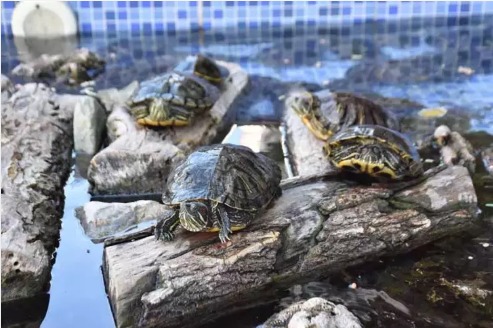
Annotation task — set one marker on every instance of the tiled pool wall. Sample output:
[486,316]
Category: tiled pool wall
[266,37]
[113,17]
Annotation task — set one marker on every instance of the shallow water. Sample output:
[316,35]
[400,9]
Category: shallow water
[418,62]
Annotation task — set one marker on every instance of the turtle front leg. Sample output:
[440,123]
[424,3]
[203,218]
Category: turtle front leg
[165,227]
[224,223]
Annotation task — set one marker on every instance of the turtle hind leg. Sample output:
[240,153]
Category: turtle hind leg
[165,227]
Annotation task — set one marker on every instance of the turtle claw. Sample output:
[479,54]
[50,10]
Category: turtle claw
[224,233]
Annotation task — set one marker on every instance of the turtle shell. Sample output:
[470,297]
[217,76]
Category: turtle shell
[187,89]
[376,150]
[325,112]
[229,174]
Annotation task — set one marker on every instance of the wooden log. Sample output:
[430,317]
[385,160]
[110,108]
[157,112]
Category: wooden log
[318,226]
[139,158]
[305,150]
[36,160]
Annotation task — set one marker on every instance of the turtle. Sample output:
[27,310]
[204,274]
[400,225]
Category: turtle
[218,188]
[325,112]
[173,99]
[374,150]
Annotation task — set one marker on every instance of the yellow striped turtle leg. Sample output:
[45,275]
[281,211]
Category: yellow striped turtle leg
[224,223]
[165,227]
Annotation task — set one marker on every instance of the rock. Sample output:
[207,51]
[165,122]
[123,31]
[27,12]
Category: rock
[81,165]
[36,159]
[89,125]
[79,66]
[318,226]
[313,313]
[101,220]
[7,88]
[139,159]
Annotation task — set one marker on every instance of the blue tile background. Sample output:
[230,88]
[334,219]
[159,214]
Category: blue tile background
[115,16]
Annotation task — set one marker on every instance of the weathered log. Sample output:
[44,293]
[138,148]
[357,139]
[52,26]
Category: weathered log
[36,157]
[139,159]
[102,220]
[318,226]
[305,149]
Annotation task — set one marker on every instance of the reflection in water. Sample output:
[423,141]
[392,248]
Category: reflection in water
[77,293]
[26,313]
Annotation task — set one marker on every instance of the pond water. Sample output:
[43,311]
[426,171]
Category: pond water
[417,61]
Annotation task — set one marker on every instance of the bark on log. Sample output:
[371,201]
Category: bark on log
[139,158]
[316,227]
[36,157]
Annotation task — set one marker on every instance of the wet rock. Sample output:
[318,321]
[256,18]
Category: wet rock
[313,313]
[139,159]
[81,165]
[318,226]
[102,220]
[79,66]
[89,125]
[7,88]
[454,149]
[36,159]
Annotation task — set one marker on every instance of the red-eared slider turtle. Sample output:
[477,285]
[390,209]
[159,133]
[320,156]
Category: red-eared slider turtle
[325,112]
[374,150]
[219,188]
[175,98]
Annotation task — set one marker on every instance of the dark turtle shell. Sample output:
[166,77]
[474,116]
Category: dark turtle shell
[326,113]
[178,89]
[228,174]
[374,150]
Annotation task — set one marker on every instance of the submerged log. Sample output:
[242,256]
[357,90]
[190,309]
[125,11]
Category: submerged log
[36,159]
[318,226]
[139,158]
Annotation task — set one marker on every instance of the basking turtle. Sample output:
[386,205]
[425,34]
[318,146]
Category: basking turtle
[325,112]
[374,150]
[219,188]
[175,98]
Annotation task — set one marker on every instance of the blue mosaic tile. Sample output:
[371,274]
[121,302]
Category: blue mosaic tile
[123,14]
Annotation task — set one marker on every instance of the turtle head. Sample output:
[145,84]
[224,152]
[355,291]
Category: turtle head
[442,135]
[194,216]
[207,69]
[152,111]
[302,103]
[139,110]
